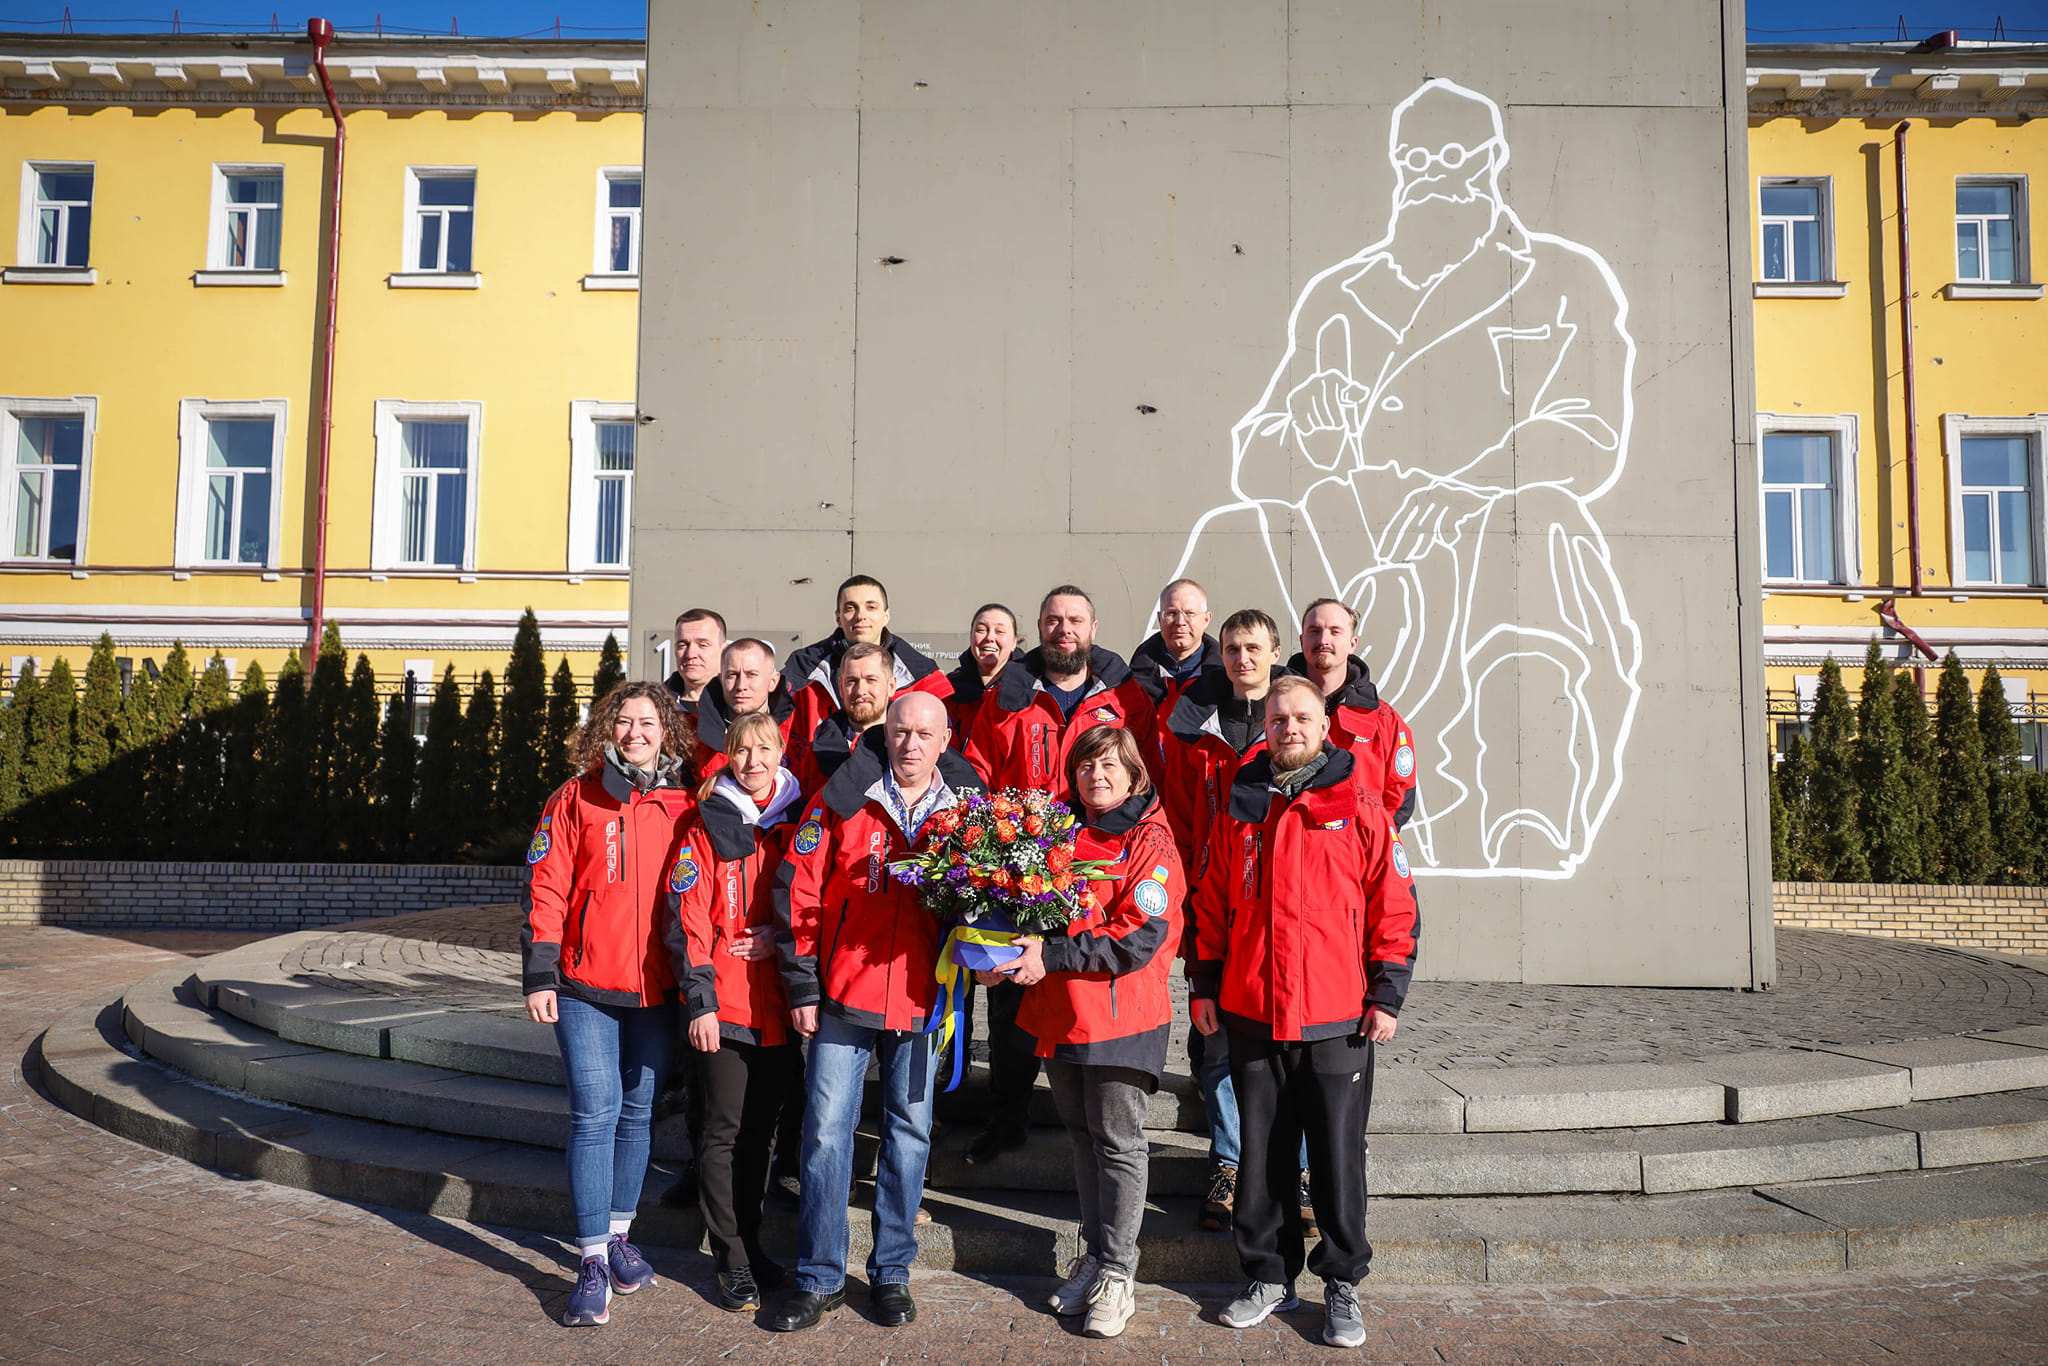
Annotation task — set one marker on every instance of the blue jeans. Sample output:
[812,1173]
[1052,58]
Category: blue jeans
[839,1056]
[1209,1055]
[614,1059]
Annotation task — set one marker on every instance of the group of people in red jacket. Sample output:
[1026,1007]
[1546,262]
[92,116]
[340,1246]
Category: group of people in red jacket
[718,874]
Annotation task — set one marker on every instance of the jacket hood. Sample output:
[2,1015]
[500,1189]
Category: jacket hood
[966,681]
[1021,677]
[714,713]
[622,780]
[847,790]
[1252,789]
[1120,820]
[732,818]
[819,660]
[1153,664]
[1358,690]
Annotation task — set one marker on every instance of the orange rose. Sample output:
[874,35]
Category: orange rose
[1033,885]
[1033,826]
[1006,831]
[1001,877]
[1063,881]
[1058,857]
[971,834]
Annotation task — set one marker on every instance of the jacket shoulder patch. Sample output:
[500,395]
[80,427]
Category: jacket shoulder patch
[538,849]
[1400,859]
[683,876]
[809,835]
[1151,897]
[1404,761]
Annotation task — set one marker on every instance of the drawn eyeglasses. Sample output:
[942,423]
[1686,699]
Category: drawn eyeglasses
[1450,156]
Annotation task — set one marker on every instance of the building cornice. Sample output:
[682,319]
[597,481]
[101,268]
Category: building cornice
[2003,81]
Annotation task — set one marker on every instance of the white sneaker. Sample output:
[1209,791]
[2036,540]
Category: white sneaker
[1260,1299]
[1110,1306]
[1343,1323]
[1072,1297]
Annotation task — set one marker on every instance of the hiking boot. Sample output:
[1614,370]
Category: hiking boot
[1218,1209]
[1260,1299]
[1308,1211]
[1072,1297]
[1110,1305]
[1343,1321]
[590,1302]
[629,1270]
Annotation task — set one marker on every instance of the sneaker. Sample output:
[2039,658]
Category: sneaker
[1110,1306]
[1259,1299]
[590,1302]
[1308,1211]
[1219,1207]
[1343,1322]
[1072,1297]
[737,1292]
[629,1269]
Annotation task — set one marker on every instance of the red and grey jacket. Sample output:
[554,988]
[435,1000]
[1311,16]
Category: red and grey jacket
[1020,739]
[963,704]
[1165,678]
[593,901]
[831,744]
[1105,998]
[714,714]
[721,884]
[812,675]
[1375,734]
[1305,914]
[854,941]
[1197,764]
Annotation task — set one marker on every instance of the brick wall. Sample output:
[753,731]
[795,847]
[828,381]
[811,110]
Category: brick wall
[2009,919]
[238,896]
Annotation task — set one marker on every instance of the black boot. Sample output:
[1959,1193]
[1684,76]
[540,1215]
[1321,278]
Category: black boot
[804,1308]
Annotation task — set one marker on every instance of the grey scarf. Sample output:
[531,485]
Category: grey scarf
[1290,783]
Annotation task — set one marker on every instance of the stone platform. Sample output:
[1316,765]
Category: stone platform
[1883,1107]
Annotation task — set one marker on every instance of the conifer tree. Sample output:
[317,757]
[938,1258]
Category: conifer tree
[1916,747]
[477,774]
[353,793]
[437,825]
[1832,817]
[1792,787]
[98,709]
[1781,833]
[285,809]
[47,738]
[170,699]
[562,719]
[1964,830]
[242,779]
[18,706]
[202,830]
[611,670]
[326,702]
[2014,839]
[397,758]
[522,762]
[1891,829]
[173,692]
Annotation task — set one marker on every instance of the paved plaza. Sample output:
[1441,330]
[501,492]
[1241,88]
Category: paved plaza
[116,1253]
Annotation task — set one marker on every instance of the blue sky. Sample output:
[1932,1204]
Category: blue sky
[1791,21]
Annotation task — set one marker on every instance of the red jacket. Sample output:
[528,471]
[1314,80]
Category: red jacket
[714,715]
[1152,665]
[721,884]
[828,747]
[1379,740]
[854,940]
[593,902]
[1305,914]
[812,674]
[1020,739]
[1197,765]
[1105,998]
[963,704]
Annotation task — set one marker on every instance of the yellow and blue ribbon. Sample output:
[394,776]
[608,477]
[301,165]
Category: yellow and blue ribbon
[949,1012]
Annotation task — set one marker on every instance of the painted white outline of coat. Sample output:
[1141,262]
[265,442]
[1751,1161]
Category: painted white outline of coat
[1578,558]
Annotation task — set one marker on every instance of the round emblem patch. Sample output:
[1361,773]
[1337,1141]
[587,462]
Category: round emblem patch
[1400,859]
[1151,897]
[1404,761]
[683,876]
[538,850]
[807,836]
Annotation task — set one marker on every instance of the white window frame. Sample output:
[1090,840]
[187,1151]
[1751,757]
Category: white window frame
[217,221]
[189,549]
[12,410]
[30,226]
[2034,427]
[1844,430]
[584,415]
[1825,211]
[600,248]
[386,513]
[413,213]
[2022,267]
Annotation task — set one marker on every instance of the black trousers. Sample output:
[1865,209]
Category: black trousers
[743,1089]
[1287,1091]
[789,1132]
[1012,1060]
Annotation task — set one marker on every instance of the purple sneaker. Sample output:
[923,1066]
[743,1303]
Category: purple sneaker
[590,1302]
[629,1269]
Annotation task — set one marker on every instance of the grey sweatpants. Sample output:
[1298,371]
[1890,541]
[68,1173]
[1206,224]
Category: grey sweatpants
[1104,1111]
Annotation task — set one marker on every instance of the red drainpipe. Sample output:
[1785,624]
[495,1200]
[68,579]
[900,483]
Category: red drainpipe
[321,32]
[1912,406]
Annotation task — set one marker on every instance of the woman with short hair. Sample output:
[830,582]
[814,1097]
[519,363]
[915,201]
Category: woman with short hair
[595,966]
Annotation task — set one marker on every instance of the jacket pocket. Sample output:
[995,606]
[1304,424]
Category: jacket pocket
[582,924]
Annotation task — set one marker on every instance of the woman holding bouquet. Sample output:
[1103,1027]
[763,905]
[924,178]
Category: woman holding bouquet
[721,940]
[1098,1004]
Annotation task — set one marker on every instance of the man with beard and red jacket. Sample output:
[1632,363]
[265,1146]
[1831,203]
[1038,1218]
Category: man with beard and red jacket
[865,682]
[858,950]
[1170,660]
[862,612]
[991,640]
[699,645]
[1039,705]
[1379,740]
[1305,927]
[747,681]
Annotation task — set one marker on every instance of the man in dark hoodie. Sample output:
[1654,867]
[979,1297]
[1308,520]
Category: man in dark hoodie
[1181,649]
[1379,740]
[861,610]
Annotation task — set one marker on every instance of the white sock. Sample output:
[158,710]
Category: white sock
[622,1224]
[585,1251]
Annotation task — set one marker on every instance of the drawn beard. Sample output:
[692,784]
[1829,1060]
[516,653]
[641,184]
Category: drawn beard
[1063,662]
[1438,233]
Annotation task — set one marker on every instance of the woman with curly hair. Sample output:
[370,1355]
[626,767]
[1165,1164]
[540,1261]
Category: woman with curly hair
[596,967]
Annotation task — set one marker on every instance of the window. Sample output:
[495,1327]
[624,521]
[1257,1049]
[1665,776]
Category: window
[1987,236]
[601,438]
[618,221]
[46,447]
[61,216]
[425,513]
[443,212]
[1995,512]
[230,476]
[248,217]
[1797,245]
[1809,517]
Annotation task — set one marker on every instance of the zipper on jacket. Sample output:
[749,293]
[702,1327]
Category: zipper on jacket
[582,923]
[1112,998]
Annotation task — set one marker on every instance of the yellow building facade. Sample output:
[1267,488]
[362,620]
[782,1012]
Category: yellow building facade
[161,378]
[1895,474]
